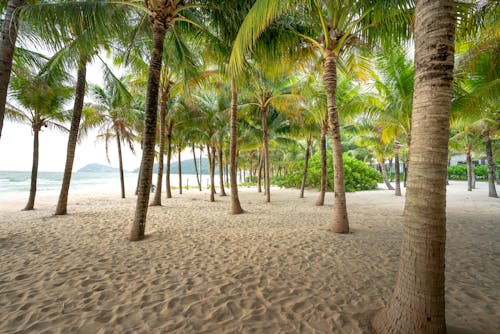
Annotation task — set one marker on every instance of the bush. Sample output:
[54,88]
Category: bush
[459,172]
[357,175]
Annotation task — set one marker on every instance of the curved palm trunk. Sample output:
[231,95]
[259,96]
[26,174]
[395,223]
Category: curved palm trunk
[306,166]
[169,158]
[161,153]
[198,178]
[321,198]
[120,161]
[211,163]
[265,130]
[179,164]
[340,223]
[7,46]
[62,204]
[384,175]
[221,172]
[34,168]
[470,169]
[139,224]
[397,175]
[418,303]
[491,165]
[235,201]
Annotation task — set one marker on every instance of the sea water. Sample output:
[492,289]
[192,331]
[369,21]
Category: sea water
[16,185]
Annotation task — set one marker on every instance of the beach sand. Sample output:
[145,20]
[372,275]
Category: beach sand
[274,269]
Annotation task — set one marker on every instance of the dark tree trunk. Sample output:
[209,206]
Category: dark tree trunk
[267,176]
[120,160]
[396,172]
[139,225]
[179,163]
[7,47]
[470,169]
[34,168]
[201,166]
[137,184]
[306,165]
[211,163]
[259,174]
[384,175]
[235,201]
[163,129]
[491,165]
[62,204]
[198,177]
[405,172]
[324,128]
[221,172]
[168,187]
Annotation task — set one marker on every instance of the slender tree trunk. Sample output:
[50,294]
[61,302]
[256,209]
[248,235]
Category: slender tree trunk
[7,47]
[120,160]
[396,172]
[470,169]
[306,166]
[259,174]
[163,129]
[324,128]
[340,223]
[384,174]
[198,178]
[179,163]
[267,182]
[168,187]
[62,204]
[139,224]
[418,303]
[137,183]
[235,201]
[491,165]
[211,163]
[405,172]
[34,168]
[221,172]
[201,166]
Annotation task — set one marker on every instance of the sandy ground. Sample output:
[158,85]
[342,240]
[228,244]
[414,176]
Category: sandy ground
[274,269]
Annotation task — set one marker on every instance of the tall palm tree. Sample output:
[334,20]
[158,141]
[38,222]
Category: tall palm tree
[333,28]
[418,303]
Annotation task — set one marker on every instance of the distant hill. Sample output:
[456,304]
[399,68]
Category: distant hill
[97,168]
[187,167]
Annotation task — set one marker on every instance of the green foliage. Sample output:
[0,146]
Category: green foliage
[358,176]
[459,172]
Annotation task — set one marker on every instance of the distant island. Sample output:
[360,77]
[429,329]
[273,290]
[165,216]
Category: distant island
[187,167]
[97,168]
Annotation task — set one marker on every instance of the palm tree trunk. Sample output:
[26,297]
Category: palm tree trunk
[196,167]
[62,204]
[396,172]
[340,223]
[306,165]
[120,160]
[259,173]
[470,169]
[34,168]
[169,158]
[201,166]
[265,130]
[221,172]
[384,174]
[211,163]
[324,128]
[235,201]
[139,225]
[179,164]
[418,303]
[7,47]
[161,153]
[491,165]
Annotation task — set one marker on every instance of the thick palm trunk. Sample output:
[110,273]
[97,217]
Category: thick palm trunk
[168,187]
[211,163]
[265,130]
[62,204]
[235,201]
[120,161]
[306,166]
[7,46]
[179,164]
[161,149]
[418,303]
[397,175]
[340,223]
[470,170]
[491,165]
[198,178]
[34,168]
[139,224]
[384,175]
[221,172]
[321,198]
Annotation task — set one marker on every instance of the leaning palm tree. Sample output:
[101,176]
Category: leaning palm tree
[333,27]
[418,303]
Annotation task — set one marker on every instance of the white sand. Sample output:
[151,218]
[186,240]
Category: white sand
[274,269]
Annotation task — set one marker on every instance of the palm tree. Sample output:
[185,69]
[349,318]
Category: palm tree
[418,303]
[40,99]
[7,47]
[334,27]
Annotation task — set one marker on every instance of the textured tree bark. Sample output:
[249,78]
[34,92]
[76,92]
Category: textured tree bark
[34,167]
[306,166]
[198,177]
[168,188]
[120,160]
[470,169]
[492,191]
[397,175]
[62,204]
[221,172]
[139,224]
[259,173]
[235,201]
[324,128]
[340,223]
[161,150]
[418,304]
[211,163]
[384,175]
[179,164]
[265,130]
[7,47]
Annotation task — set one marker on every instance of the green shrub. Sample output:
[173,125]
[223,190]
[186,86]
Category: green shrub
[459,172]
[357,175]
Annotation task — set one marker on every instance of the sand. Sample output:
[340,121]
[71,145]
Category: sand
[274,269]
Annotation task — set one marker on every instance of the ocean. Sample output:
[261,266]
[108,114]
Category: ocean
[16,185]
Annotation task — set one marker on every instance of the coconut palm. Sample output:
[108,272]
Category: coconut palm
[418,303]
